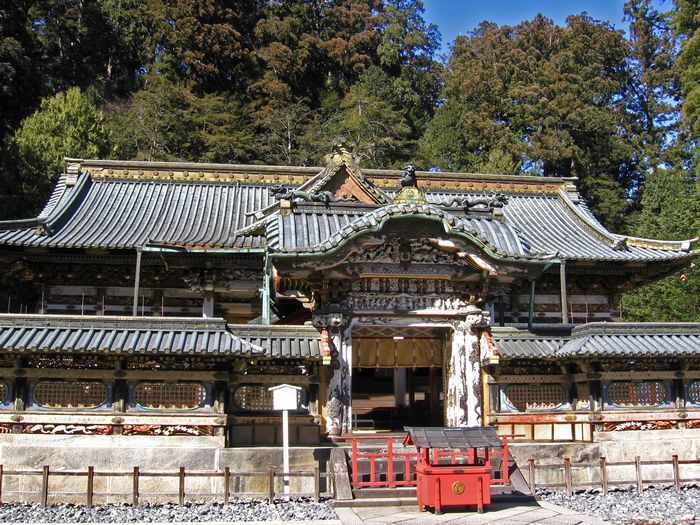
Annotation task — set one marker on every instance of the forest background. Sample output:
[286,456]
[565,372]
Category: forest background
[280,81]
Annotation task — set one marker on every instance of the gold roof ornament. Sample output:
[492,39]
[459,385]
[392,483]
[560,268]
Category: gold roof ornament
[409,193]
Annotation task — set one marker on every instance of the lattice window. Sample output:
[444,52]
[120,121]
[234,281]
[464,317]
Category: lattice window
[170,396]
[253,398]
[534,397]
[693,393]
[70,394]
[644,394]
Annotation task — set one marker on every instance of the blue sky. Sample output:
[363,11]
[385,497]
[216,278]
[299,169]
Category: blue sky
[455,17]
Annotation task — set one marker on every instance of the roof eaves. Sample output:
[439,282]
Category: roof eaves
[619,242]
[65,196]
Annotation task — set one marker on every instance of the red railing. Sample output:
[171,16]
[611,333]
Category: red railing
[382,463]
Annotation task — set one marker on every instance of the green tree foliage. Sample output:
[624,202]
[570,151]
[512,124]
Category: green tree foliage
[302,44]
[371,119]
[406,53]
[687,25]
[287,133]
[202,42]
[73,37]
[547,99]
[653,95]
[670,209]
[19,89]
[69,124]
[166,121]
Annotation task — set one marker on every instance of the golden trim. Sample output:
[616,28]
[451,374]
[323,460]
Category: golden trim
[298,175]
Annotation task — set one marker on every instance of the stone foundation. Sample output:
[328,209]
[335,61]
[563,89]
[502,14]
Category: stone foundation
[160,454]
[649,445]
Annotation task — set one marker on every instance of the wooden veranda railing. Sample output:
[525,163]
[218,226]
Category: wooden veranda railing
[382,455]
[137,492]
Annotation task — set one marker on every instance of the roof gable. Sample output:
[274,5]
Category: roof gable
[343,178]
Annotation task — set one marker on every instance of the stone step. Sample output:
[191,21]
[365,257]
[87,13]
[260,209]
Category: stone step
[377,502]
[405,501]
[400,492]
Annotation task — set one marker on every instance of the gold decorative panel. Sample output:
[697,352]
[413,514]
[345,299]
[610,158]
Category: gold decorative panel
[390,353]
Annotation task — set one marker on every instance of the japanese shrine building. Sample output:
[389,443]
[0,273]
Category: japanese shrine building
[166,298]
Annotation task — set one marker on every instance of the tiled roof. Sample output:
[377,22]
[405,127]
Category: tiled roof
[633,340]
[556,224]
[448,438]
[96,210]
[289,341]
[317,229]
[154,336]
[113,213]
[526,345]
[120,335]
[601,340]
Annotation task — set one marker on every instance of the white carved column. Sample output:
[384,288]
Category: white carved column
[464,389]
[339,403]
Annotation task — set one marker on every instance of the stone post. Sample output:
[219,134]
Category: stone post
[464,389]
[339,391]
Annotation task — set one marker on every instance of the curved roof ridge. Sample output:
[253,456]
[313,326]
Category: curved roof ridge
[62,201]
[593,226]
[618,241]
[57,194]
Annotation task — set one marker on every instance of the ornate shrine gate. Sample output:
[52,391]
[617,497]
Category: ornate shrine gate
[379,271]
[450,350]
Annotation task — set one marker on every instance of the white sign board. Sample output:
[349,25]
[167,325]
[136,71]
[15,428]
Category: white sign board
[285,397]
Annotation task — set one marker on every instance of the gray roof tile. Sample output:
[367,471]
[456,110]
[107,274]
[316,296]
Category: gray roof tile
[601,340]
[120,335]
[309,229]
[153,335]
[449,438]
[113,213]
[97,212]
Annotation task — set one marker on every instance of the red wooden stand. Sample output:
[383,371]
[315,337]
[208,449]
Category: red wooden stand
[450,485]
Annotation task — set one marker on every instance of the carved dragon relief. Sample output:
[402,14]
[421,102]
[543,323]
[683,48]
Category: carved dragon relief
[394,255]
[280,192]
[492,201]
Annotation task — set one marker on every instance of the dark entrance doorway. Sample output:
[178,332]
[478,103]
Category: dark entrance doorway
[397,377]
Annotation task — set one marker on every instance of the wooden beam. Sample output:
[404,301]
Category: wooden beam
[531,311]
[564,300]
[137,281]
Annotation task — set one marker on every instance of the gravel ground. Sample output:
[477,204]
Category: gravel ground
[240,510]
[664,506]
